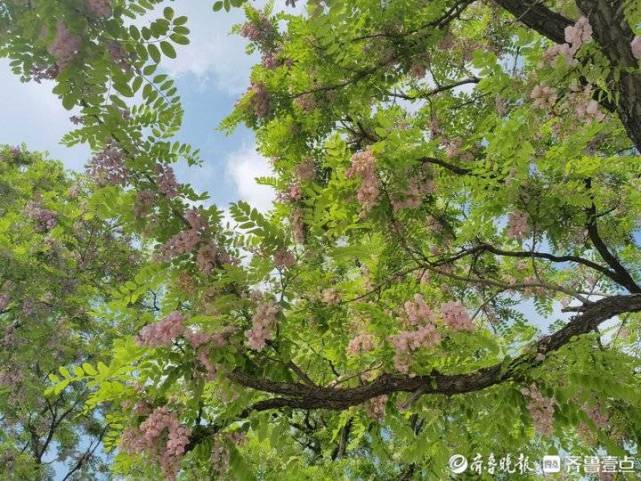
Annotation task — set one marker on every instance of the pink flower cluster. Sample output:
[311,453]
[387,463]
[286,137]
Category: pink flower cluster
[413,197]
[293,193]
[168,449]
[45,219]
[517,225]
[206,257]
[98,8]
[162,333]
[166,180]
[259,101]
[635,46]
[144,202]
[364,166]
[417,311]
[305,102]
[306,170]
[65,46]
[576,36]
[284,258]
[261,31]
[405,342]
[263,323]
[361,343]
[456,316]
[375,407]
[108,166]
[587,109]
[186,240]
[544,97]
[541,409]
[331,296]
[119,55]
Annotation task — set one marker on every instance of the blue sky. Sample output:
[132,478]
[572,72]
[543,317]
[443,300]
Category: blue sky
[211,73]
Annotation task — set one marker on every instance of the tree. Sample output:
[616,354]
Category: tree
[452,176]
[58,263]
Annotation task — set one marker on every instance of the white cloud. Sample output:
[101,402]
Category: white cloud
[213,54]
[33,115]
[244,166]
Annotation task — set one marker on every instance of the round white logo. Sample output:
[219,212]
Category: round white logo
[457,463]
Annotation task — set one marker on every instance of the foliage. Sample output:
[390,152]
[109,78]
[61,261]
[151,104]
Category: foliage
[57,265]
[449,178]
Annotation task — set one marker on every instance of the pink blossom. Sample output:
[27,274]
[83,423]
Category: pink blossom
[331,296]
[144,202]
[541,409]
[205,362]
[195,220]
[456,316]
[517,225]
[166,180]
[259,101]
[119,55]
[108,166]
[413,196]
[375,407]
[181,243]
[149,437]
[44,219]
[196,337]
[405,342]
[284,258]
[306,170]
[206,257]
[364,166]
[162,333]
[65,46]
[578,34]
[293,193]
[361,343]
[98,8]
[260,31]
[305,102]
[635,46]
[544,97]
[263,324]
[417,311]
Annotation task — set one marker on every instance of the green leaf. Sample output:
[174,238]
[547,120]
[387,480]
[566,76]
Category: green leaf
[167,49]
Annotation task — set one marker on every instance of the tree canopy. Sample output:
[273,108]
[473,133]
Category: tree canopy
[452,263]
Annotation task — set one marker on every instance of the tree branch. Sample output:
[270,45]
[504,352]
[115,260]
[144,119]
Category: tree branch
[302,396]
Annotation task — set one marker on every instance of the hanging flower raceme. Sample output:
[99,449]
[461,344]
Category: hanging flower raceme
[166,180]
[162,333]
[456,316]
[263,324]
[517,225]
[541,409]
[161,436]
[544,97]
[65,46]
[259,101]
[412,197]
[284,258]
[423,335]
[44,219]
[108,166]
[364,167]
[361,343]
